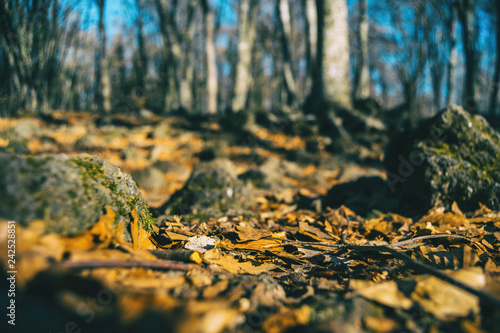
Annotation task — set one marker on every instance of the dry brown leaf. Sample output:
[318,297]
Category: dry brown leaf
[380,324]
[447,302]
[216,289]
[287,318]
[232,265]
[209,317]
[102,232]
[248,234]
[386,293]
[261,245]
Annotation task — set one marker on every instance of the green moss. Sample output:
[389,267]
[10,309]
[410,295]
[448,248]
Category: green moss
[96,172]
[72,194]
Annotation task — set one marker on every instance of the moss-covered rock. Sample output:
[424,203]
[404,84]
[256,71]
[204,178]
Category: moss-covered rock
[212,189]
[453,156]
[68,193]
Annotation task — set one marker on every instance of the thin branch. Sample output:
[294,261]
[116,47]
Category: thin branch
[90,264]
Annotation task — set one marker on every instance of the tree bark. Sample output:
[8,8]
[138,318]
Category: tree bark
[103,86]
[466,16]
[311,32]
[496,74]
[211,58]
[179,60]
[142,57]
[453,58]
[331,82]
[362,81]
[246,38]
[283,11]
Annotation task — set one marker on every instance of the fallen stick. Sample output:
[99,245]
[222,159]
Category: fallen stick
[90,264]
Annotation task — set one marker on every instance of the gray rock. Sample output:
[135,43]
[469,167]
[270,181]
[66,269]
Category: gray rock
[269,175]
[172,167]
[20,135]
[453,156]
[26,129]
[213,188]
[149,178]
[68,193]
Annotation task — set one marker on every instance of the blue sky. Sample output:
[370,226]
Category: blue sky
[118,11]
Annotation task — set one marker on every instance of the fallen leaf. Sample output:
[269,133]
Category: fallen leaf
[386,293]
[234,266]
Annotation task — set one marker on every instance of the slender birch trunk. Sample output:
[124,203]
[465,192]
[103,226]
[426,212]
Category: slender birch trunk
[211,57]
[246,37]
[362,81]
[283,10]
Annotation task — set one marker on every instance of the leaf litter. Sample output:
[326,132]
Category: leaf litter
[275,269]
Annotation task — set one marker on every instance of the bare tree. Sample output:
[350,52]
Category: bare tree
[452,53]
[34,40]
[331,82]
[211,57]
[283,13]
[177,45]
[466,15]
[496,75]
[141,59]
[246,37]
[311,34]
[103,84]
[362,71]
[410,65]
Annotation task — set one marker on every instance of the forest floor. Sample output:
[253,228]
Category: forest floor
[279,267]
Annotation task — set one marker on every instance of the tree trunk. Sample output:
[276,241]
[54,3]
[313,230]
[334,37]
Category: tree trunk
[311,32]
[179,59]
[453,58]
[142,57]
[283,11]
[171,94]
[496,74]
[211,58]
[362,81]
[466,16]
[103,86]
[331,83]
[248,9]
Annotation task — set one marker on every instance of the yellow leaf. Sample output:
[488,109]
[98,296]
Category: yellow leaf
[232,265]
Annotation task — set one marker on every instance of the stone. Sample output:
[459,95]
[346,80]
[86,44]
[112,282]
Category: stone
[172,167]
[149,178]
[213,189]
[19,136]
[26,129]
[453,156]
[269,175]
[68,193]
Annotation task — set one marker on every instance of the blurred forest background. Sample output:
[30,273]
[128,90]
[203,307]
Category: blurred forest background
[285,57]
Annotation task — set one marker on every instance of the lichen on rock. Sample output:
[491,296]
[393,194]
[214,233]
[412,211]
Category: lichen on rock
[212,189]
[68,193]
[453,156]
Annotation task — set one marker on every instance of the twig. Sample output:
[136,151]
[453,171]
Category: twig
[389,245]
[158,265]
[420,238]
[182,255]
